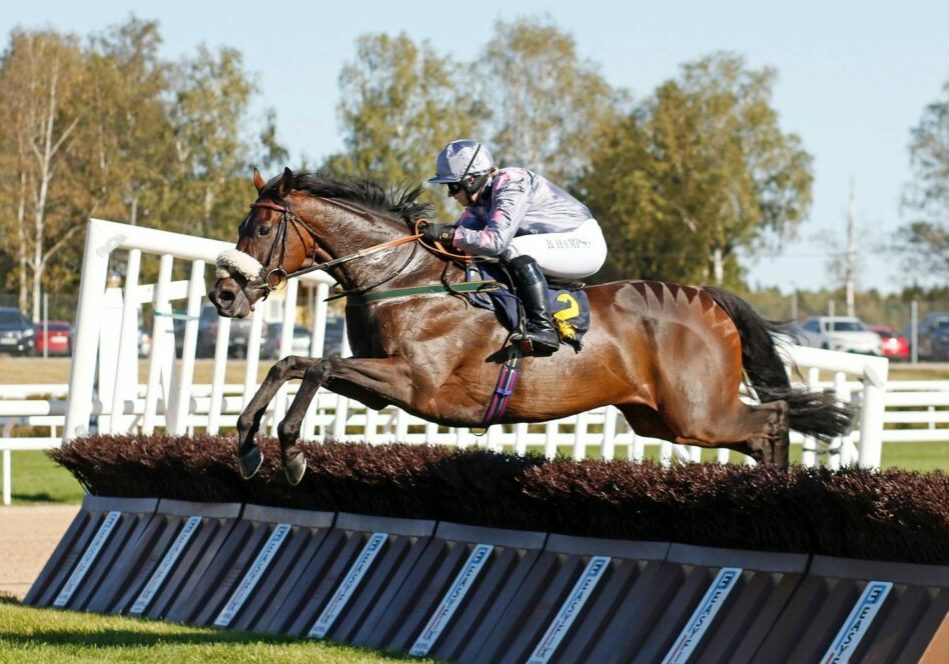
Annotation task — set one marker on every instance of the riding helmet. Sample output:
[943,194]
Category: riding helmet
[461,159]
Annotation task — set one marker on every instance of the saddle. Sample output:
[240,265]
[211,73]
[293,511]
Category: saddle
[568,302]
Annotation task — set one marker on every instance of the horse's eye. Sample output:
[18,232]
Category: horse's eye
[263,230]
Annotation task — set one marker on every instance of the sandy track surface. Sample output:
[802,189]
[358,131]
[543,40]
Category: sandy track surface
[28,536]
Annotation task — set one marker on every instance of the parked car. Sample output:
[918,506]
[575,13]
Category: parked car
[843,333]
[207,334]
[302,339]
[299,346]
[54,339]
[793,334]
[932,336]
[333,337]
[16,332]
[895,345]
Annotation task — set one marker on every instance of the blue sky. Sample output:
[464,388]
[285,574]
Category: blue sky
[853,79]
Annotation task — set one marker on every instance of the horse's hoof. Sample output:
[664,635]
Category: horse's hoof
[250,462]
[294,468]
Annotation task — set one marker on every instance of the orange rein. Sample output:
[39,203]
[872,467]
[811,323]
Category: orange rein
[437,248]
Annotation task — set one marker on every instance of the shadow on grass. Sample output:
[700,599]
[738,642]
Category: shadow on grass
[43,497]
[131,638]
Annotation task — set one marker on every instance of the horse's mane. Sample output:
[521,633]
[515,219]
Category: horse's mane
[399,202]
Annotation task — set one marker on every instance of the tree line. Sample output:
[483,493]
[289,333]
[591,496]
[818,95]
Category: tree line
[105,127]
[683,180]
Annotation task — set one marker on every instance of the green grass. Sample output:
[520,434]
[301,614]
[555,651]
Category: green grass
[48,635]
[921,457]
[38,479]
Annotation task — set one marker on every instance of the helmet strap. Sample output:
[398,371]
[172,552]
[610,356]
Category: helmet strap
[475,186]
[470,162]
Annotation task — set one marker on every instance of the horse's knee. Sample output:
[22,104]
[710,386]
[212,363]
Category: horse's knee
[282,368]
[318,371]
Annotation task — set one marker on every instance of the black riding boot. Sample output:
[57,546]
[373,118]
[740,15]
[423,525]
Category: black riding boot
[531,286]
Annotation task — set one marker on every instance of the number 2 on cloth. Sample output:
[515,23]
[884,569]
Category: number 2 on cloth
[572,307]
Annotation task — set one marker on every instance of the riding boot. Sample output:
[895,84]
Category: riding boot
[531,286]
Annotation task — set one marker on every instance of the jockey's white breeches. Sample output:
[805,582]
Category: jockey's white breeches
[572,255]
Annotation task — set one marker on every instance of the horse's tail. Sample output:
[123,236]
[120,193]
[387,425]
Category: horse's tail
[817,414]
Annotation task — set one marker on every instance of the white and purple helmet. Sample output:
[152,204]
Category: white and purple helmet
[463,159]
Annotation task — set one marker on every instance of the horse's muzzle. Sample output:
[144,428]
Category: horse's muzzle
[229,298]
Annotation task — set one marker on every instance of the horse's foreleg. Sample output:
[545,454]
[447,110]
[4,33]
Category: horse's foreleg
[373,382]
[248,423]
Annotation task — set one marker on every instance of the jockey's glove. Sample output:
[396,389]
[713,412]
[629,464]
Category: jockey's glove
[443,233]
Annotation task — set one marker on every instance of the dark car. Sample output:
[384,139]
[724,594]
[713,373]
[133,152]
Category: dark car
[332,339]
[16,332]
[207,334]
[54,339]
[932,336]
[300,344]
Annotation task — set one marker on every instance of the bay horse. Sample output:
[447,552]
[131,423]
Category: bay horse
[670,357]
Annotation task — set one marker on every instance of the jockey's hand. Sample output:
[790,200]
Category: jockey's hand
[443,233]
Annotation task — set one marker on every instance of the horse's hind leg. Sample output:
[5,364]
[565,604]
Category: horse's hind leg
[752,430]
[760,431]
[249,456]
[774,437]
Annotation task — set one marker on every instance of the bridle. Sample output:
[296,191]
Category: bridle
[277,275]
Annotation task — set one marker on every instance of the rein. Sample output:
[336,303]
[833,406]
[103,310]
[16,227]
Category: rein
[277,275]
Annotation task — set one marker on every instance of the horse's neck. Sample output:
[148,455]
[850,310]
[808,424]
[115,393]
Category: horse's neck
[407,264]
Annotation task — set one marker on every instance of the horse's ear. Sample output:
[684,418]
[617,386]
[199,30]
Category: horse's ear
[258,181]
[286,183]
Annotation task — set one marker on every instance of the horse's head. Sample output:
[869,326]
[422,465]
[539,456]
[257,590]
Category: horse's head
[272,243]
[303,222]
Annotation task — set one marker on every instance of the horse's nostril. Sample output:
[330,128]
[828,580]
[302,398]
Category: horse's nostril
[225,297]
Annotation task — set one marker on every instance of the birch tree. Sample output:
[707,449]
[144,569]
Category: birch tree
[211,93]
[41,74]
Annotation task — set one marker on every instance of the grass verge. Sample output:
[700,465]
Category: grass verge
[39,479]
[47,635]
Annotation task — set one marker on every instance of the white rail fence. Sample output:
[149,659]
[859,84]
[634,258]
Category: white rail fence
[104,391]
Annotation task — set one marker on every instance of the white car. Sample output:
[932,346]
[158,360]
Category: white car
[843,333]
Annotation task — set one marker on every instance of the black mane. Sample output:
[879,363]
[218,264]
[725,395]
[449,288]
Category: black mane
[400,203]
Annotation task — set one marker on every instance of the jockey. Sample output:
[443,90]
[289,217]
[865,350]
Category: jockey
[533,226]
